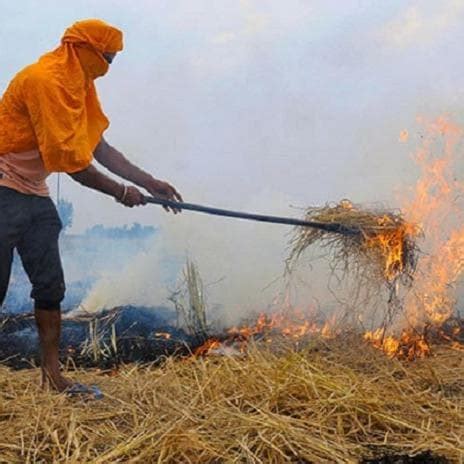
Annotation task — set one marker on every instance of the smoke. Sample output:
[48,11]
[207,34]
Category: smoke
[250,106]
[241,263]
[140,282]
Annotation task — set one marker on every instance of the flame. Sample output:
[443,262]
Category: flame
[392,239]
[436,204]
[207,347]
[298,326]
[293,325]
[391,243]
[409,345]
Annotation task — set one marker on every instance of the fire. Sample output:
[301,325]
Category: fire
[409,345]
[393,239]
[436,204]
[394,244]
[433,214]
[299,326]
[207,347]
[293,325]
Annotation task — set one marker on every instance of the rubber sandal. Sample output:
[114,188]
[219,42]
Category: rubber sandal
[81,390]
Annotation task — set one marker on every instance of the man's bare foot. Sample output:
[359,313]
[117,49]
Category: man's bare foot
[55,381]
[49,325]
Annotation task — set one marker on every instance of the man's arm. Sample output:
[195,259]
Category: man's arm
[118,164]
[91,177]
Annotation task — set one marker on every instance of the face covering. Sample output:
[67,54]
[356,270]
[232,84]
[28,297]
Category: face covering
[93,63]
[92,38]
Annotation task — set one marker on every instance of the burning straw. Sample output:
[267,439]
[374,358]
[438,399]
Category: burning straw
[382,247]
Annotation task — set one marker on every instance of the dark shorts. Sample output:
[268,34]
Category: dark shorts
[31,225]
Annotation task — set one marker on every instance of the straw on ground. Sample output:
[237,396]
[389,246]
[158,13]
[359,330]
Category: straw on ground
[326,404]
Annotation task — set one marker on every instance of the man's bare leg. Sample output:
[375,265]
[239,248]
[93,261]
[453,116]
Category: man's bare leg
[49,327]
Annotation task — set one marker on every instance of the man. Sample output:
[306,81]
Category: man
[51,121]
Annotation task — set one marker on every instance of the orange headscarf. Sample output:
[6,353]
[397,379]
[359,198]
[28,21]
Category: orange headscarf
[52,104]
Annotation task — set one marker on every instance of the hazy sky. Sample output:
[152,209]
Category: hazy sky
[232,99]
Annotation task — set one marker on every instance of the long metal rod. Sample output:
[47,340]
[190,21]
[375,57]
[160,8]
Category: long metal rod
[332,227]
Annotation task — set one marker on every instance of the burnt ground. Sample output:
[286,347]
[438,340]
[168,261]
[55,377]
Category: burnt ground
[121,335]
[422,458]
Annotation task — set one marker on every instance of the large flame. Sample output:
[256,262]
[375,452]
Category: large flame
[436,204]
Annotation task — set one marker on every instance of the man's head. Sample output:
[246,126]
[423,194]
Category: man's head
[96,43]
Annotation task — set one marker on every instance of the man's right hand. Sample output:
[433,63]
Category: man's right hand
[127,195]
[131,196]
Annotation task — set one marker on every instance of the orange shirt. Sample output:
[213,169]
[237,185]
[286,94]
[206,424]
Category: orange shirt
[24,172]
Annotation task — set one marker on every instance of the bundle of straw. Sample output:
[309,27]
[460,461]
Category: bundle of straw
[384,250]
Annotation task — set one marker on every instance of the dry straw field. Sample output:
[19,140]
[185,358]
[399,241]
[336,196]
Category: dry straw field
[337,401]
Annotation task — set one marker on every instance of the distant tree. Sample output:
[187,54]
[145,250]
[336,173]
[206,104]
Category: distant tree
[66,213]
[136,231]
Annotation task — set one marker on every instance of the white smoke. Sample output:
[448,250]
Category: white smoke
[242,263]
[140,283]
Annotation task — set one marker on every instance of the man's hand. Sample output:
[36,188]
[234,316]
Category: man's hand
[118,164]
[131,196]
[94,179]
[161,189]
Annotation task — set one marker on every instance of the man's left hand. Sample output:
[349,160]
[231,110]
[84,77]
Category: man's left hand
[161,189]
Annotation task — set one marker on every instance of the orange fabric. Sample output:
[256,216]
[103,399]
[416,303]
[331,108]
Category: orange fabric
[52,105]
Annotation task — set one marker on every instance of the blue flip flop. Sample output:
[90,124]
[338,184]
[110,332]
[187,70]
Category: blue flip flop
[81,390]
